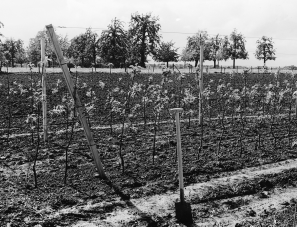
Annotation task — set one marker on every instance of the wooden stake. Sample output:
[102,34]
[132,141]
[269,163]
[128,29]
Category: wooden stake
[80,108]
[44,102]
[201,84]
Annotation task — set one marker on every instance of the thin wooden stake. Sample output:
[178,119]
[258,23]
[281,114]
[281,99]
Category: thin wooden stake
[201,84]
[44,102]
[79,107]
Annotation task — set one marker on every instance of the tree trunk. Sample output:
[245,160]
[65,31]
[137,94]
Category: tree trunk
[94,56]
[142,59]
[143,47]
[82,61]
[167,64]
[196,63]
[234,63]
[214,63]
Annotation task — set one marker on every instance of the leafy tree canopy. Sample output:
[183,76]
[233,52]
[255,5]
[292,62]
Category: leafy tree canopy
[237,47]
[113,43]
[186,55]
[84,48]
[34,47]
[166,53]
[144,35]
[265,50]
[219,49]
[2,57]
[11,48]
[193,46]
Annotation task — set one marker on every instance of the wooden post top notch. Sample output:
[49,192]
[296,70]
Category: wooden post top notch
[176,110]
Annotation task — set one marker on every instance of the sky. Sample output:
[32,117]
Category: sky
[22,19]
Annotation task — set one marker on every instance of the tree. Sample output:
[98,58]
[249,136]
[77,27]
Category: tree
[193,46]
[33,50]
[21,58]
[84,48]
[92,45]
[166,53]
[219,49]
[265,49]
[133,56]
[34,47]
[186,55]
[237,47]
[11,48]
[223,51]
[144,35]
[77,49]
[2,56]
[113,44]
[215,44]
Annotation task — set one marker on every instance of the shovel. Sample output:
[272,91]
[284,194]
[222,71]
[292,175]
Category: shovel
[182,208]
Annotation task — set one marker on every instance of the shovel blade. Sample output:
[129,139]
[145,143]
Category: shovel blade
[183,212]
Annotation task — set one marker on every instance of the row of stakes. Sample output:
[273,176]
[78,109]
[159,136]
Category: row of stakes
[182,209]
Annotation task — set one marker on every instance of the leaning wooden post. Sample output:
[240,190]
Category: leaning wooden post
[80,108]
[201,84]
[44,102]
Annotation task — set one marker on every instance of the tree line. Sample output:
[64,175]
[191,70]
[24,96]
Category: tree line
[122,48]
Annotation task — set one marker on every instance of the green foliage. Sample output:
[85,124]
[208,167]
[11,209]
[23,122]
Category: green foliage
[84,48]
[237,47]
[166,52]
[218,49]
[2,57]
[114,43]
[144,36]
[186,55]
[21,58]
[11,49]
[265,49]
[193,46]
[34,48]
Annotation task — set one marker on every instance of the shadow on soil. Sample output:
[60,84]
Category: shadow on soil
[145,218]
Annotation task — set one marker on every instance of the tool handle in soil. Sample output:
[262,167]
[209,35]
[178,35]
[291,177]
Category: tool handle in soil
[179,152]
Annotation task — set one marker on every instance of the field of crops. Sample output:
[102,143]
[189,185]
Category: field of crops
[249,121]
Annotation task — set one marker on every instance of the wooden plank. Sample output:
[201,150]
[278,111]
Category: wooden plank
[79,107]
[44,101]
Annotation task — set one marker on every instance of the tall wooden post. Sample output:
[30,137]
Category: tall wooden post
[44,102]
[201,84]
[80,108]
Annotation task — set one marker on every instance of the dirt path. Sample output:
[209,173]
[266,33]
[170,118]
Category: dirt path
[227,200]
